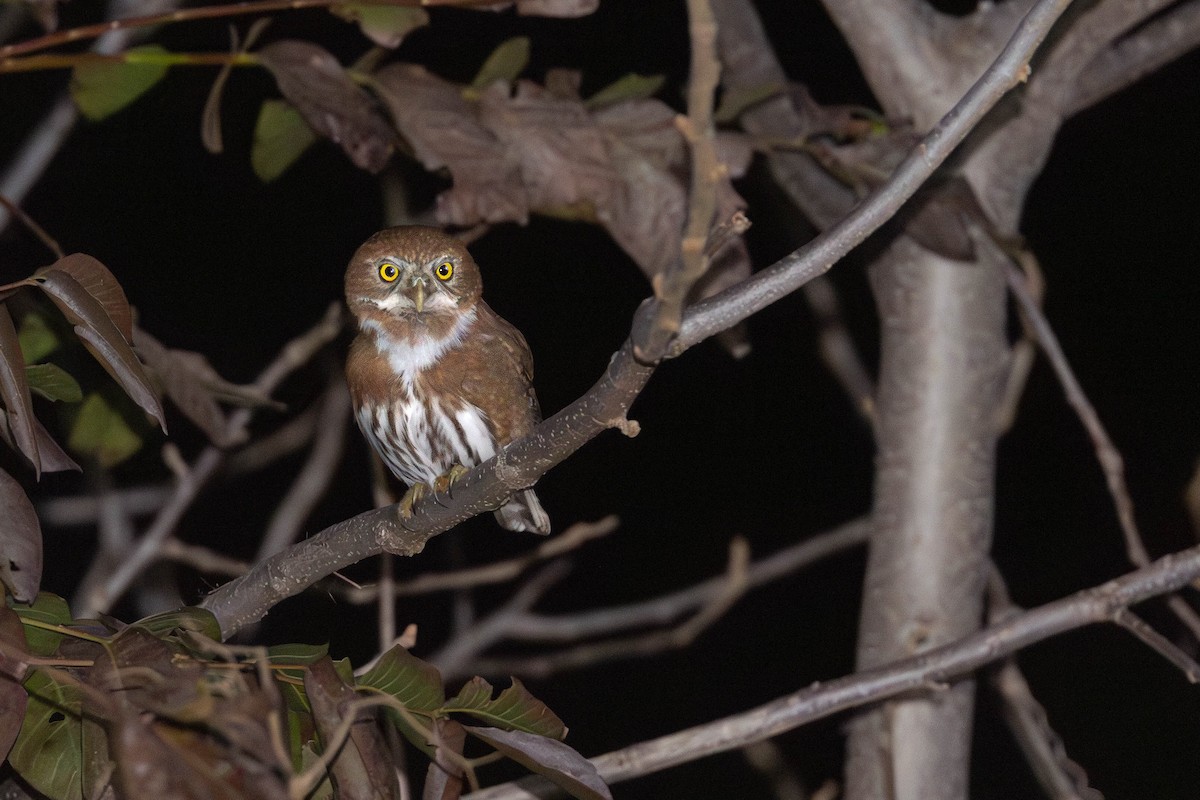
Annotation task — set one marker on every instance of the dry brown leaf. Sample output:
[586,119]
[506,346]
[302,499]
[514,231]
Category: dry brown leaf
[331,103]
[562,153]
[14,392]
[196,389]
[20,541]
[444,132]
[363,768]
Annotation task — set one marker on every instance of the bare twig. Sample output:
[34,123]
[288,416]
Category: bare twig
[31,224]
[246,599]
[290,437]
[47,137]
[1060,777]
[202,559]
[477,638]
[837,347]
[85,509]
[671,287]
[789,273]
[1024,351]
[665,609]
[916,674]
[1058,774]
[1133,57]
[314,477]
[497,572]
[1191,499]
[1158,643]
[1106,452]
[769,761]
[296,353]
[733,586]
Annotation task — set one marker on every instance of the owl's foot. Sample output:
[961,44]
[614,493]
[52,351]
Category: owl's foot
[411,498]
[442,484]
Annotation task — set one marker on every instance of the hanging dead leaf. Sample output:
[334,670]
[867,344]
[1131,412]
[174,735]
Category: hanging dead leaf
[196,389]
[362,770]
[444,778]
[101,337]
[20,541]
[550,758]
[331,103]
[14,392]
[100,283]
[562,153]
[444,132]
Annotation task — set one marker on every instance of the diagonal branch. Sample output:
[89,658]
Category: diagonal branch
[519,465]
[917,674]
[1133,57]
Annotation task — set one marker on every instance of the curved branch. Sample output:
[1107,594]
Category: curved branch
[1135,56]
[247,599]
[930,669]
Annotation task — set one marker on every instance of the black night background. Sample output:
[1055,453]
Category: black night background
[767,447]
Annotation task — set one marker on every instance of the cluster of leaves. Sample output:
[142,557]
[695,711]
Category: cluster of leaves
[161,709]
[92,303]
[509,147]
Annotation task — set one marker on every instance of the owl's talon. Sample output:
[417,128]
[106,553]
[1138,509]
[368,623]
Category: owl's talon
[411,498]
[444,483]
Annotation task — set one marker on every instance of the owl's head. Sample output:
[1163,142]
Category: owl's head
[412,272]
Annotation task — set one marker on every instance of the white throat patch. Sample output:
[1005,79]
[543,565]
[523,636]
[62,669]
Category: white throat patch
[409,358]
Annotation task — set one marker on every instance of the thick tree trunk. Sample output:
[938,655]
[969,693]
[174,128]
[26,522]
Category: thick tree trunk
[942,365]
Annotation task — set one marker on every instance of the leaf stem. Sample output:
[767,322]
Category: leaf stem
[73,60]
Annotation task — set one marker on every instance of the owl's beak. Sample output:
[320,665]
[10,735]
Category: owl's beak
[418,294]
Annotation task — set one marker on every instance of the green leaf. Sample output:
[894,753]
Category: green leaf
[301,655]
[104,88]
[735,101]
[505,63]
[36,338]
[192,618]
[101,433]
[49,609]
[386,26]
[415,683]
[48,753]
[515,708]
[280,137]
[53,382]
[628,87]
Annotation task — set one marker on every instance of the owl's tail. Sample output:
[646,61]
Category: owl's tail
[524,512]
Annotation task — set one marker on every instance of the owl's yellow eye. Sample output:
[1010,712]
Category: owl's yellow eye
[444,271]
[389,271]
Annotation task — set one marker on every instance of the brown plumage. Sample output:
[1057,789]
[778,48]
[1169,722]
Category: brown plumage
[438,379]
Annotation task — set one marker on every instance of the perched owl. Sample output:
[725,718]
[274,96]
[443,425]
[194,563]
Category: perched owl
[438,379]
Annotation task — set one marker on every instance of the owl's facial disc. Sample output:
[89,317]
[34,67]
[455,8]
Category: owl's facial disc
[410,288]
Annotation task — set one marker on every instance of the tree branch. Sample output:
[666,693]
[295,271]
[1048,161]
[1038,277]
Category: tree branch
[521,463]
[935,667]
[294,354]
[1133,57]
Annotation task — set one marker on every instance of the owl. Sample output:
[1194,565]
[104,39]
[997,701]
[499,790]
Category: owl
[439,381]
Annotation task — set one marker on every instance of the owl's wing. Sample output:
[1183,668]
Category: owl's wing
[507,375]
